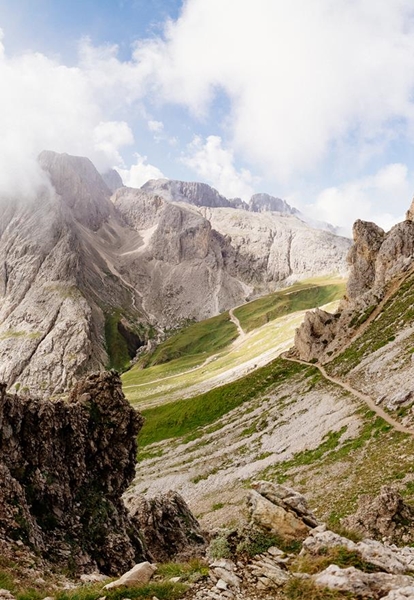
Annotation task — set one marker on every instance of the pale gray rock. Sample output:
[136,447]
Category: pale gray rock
[404,593]
[140,574]
[385,516]
[390,559]
[112,179]
[271,517]
[267,203]
[287,498]
[365,585]
[199,194]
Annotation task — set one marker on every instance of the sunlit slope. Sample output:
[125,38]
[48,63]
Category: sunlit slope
[213,352]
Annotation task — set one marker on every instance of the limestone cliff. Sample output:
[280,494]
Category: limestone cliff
[369,340]
[64,466]
[86,278]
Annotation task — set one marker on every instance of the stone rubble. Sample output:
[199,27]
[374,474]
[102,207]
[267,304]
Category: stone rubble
[386,557]
[365,585]
[263,574]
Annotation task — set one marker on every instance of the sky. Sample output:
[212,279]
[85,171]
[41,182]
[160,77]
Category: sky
[311,101]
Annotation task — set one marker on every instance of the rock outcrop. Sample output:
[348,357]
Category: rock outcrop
[267,203]
[198,194]
[168,528]
[113,180]
[86,278]
[280,510]
[64,466]
[383,517]
[376,259]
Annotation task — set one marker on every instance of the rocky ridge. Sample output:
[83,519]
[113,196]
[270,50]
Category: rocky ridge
[86,279]
[64,467]
[379,262]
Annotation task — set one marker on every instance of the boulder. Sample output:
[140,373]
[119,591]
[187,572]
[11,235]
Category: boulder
[167,526]
[364,585]
[383,516]
[140,574]
[275,519]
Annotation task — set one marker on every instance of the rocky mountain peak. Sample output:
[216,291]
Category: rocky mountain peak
[192,192]
[80,186]
[267,203]
[409,215]
[113,180]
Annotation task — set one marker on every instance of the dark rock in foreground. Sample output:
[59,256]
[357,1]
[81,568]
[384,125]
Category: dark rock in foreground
[169,529]
[64,466]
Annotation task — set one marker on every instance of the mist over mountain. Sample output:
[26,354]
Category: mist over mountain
[81,272]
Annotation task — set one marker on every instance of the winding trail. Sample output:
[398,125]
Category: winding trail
[364,397]
[236,321]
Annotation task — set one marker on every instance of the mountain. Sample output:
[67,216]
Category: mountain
[112,179]
[266,203]
[370,339]
[198,194]
[86,278]
[201,194]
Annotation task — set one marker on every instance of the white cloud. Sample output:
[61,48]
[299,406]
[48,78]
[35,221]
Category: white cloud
[109,136]
[45,105]
[215,165]
[381,198]
[304,78]
[156,126]
[139,173]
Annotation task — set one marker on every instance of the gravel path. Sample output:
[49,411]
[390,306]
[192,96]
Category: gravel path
[364,397]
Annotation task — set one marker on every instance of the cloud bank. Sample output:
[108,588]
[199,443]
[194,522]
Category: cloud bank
[307,91]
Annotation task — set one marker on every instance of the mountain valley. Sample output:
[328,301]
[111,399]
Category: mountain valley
[86,279]
[185,292]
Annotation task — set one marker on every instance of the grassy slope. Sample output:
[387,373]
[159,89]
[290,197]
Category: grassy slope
[116,345]
[183,417]
[298,297]
[198,339]
[397,314]
[191,347]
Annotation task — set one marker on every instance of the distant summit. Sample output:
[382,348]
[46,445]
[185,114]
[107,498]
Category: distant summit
[267,203]
[113,180]
[198,194]
[203,195]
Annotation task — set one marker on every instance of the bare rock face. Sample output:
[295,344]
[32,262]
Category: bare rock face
[280,510]
[198,194]
[368,239]
[375,259]
[385,516]
[267,203]
[78,182]
[315,334]
[169,529]
[113,180]
[64,466]
[410,212]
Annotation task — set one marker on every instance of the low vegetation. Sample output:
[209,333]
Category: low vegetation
[185,417]
[396,315]
[301,296]
[197,340]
